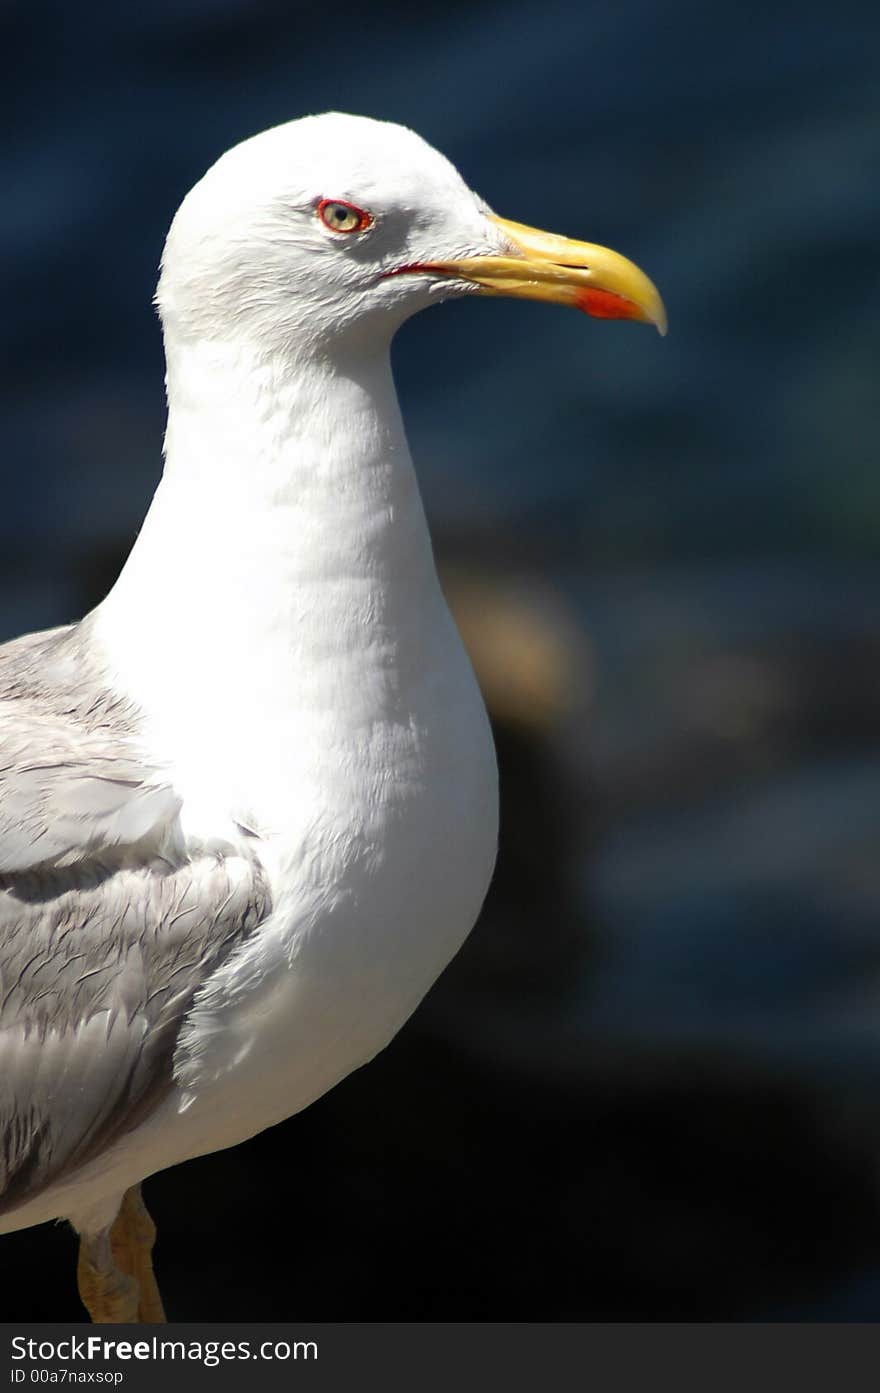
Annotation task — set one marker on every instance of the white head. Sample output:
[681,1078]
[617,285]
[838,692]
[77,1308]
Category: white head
[333,225]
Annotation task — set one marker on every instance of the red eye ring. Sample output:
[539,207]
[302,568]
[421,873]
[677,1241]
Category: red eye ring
[340,216]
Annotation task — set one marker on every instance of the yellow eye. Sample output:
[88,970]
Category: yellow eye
[342,217]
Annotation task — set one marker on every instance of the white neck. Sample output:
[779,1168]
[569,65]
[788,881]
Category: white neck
[288,524]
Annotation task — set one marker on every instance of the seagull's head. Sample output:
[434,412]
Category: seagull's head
[321,229]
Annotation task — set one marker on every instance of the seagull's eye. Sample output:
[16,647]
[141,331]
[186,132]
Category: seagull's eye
[343,217]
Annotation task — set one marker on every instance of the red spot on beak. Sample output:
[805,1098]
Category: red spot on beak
[604,304]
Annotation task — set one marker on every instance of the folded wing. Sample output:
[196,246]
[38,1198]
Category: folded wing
[109,924]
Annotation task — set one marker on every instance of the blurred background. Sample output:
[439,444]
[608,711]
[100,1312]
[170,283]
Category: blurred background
[648,1087]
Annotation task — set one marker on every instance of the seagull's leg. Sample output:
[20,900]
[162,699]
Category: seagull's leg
[115,1271]
[132,1237]
[109,1295]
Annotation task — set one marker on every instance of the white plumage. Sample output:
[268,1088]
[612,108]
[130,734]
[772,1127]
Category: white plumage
[277,660]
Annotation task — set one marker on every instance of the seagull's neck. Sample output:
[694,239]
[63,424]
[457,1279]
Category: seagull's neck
[287,531]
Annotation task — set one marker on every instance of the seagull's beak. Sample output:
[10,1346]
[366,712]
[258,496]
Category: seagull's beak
[548,267]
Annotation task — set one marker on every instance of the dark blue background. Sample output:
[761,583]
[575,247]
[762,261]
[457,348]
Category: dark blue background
[701,514]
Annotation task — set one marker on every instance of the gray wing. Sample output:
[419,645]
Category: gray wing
[107,926]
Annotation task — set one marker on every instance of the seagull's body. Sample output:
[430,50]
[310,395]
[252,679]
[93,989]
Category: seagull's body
[248,806]
[326,762]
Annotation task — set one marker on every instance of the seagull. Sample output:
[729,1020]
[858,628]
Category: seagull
[248,804]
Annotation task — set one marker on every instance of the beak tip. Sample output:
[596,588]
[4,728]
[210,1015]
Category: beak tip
[656,314]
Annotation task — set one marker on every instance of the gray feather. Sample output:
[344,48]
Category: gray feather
[107,925]
[71,781]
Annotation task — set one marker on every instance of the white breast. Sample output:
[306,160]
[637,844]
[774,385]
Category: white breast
[281,626]
[379,869]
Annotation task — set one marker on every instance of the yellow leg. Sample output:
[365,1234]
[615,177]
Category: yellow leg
[109,1295]
[135,1234]
[115,1270]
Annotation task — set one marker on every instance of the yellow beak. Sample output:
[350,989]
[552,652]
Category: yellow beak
[591,278]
